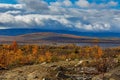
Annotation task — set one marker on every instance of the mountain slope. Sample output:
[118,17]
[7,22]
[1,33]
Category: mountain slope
[41,37]
[50,37]
[16,32]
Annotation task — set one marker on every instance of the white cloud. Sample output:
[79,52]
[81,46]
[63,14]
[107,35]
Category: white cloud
[14,12]
[101,26]
[93,5]
[82,3]
[60,15]
[16,6]
[62,3]
[34,5]
[87,20]
[67,3]
[2,27]
[11,7]
[6,18]
[31,20]
[112,3]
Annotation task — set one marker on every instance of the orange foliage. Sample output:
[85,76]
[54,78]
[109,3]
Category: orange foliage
[35,49]
[42,58]
[100,53]
[14,46]
[63,57]
[48,56]
[15,54]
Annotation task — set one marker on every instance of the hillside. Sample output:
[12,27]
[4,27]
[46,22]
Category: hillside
[22,31]
[50,37]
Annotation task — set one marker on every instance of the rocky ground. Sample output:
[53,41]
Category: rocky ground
[63,70]
[111,75]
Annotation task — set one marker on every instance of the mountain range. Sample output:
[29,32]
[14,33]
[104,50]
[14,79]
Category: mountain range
[22,31]
[56,36]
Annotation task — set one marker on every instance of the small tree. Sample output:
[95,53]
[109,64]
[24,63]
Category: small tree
[14,46]
[100,52]
[48,56]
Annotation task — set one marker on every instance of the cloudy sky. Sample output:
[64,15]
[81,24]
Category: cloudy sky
[77,15]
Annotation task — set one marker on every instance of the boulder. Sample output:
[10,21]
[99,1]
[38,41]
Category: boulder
[32,76]
[60,68]
[115,76]
[61,75]
[46,79]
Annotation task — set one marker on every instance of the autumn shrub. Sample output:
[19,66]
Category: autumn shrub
[42,58]
[55,58]
[62,57]
[73,56]
[14,54]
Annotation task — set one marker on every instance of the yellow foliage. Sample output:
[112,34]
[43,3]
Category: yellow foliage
[15,54]
[42,58]
[35,49]
[100,53]
[63,57]
[72,56]
[48,56]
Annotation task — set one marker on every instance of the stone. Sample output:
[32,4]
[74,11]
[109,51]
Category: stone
[32,76]
[43,63]
[111,79]
[68,60]
[61,75]
[60,68]
[46,79]
[53,66]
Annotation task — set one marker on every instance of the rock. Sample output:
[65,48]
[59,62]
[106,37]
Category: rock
[79,64]
[20,78]
[43,63]
[97,78]
[53,65]
[20,71]
[46,79]
[111,79]
[61,75]
[116,77]
[105,78]
[13,75]
[60,68]
[76,59]
[117,73]
[3,68]
[82,62]
[68,60]
[33,76]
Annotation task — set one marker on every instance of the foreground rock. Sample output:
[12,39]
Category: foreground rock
[34,72]
[44,71]
[62,70]
[112,75]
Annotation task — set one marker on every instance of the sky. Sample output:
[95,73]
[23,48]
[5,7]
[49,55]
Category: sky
[75,15]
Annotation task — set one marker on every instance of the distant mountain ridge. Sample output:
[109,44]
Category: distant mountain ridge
[52,37]
[16,32]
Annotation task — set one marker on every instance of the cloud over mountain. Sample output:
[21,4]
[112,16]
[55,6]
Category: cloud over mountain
[81,15]
[34,5]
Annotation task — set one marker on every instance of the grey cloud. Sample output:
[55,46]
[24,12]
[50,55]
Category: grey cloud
[11,7]
[34,5]
[38,14]
[62,3]
[87,20]
[93,5]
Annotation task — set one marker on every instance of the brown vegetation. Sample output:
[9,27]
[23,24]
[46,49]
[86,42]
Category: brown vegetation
[16,55]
